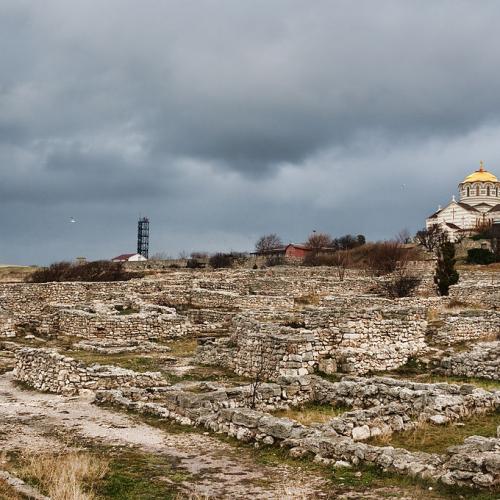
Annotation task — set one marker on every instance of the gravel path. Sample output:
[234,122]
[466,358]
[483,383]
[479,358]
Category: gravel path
[28,420]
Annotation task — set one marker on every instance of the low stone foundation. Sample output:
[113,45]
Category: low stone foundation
[468,325]
[47,370]
[220,412]
[482,361]
[382,336]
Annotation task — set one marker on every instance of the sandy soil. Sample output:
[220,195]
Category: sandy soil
[28,421]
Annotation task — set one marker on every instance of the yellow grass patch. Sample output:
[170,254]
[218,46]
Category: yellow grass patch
[67,475]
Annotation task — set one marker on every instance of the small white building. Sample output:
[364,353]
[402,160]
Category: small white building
[479,205]
[129,257]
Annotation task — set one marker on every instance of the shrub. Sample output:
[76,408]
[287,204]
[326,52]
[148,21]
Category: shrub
[307,300]
[275,260]
[199,255]
[340,259]
[400,286]
[221,260]
[385,257]
[100,270]
[295,324]
[319,259]
[446,275]
[239,257]
[194,264]
[480,256]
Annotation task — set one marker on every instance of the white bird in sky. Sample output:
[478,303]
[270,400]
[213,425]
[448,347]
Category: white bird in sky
[72,220]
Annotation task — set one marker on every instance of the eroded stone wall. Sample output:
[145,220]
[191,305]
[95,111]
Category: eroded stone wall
[482,361]
[358,340]
[47,370]
[465,326]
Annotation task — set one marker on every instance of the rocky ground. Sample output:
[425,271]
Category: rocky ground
[150,457]
[213,468]
[37,422]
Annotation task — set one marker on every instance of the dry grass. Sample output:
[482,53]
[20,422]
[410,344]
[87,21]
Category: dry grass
[435,439]
[458,305]
[307,300]
[490,268]
[8,493]
[183,348]
[67,475]
[311,413]
[432,314]
[430,378]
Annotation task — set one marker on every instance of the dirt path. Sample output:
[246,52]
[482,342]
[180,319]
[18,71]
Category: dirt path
[28,420]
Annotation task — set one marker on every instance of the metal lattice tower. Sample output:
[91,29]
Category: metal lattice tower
[143,237]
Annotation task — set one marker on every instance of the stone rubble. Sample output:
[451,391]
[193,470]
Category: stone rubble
[278,327]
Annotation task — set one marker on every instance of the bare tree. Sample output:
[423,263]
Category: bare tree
[199,255]
[317,241]
[431,238]
[267,243]
[160,256]
[403,236]
[383,257]
[401,280]
[346,242]
[341,260]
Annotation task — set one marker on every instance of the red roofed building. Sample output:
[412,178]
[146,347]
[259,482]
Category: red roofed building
[129,257]
[293,250]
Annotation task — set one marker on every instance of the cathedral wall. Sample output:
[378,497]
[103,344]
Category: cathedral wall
[455,214]
[468,193]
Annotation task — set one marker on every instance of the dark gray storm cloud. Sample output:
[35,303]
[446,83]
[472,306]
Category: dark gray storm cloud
[222,120]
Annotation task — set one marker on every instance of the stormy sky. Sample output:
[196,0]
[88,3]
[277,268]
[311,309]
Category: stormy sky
[223,120]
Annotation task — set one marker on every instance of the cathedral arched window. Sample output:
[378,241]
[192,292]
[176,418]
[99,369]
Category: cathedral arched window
[487,190]
[477,190]
[468,190]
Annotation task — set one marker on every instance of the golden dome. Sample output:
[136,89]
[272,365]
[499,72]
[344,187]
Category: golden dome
[480,175]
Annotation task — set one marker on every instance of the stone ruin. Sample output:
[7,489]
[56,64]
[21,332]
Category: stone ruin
[280,328]
[378,406]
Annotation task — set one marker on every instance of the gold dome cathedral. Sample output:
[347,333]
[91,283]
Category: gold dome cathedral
[480,175]
[479,205]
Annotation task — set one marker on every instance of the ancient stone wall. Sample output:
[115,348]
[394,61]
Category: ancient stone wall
[47,370]
[357,339]
[472,464]
[467,325]
[416,400]
[147,325]
[482,292]
[482,361]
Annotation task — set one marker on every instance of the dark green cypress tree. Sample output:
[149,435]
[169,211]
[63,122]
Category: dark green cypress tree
[446,274]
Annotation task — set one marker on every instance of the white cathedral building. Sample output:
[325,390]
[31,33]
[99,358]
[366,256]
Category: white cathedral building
[479,205]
